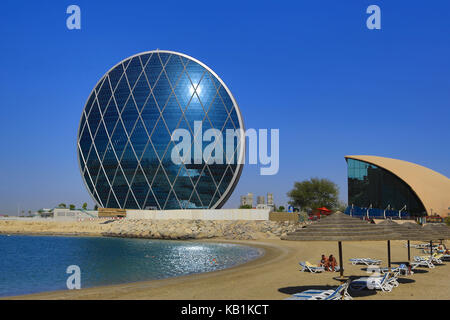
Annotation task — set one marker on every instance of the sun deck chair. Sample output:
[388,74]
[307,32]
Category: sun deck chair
[366,261]
[401,269]
[375,283]
[435,258]
[307,266]
[423,263]
[340,293]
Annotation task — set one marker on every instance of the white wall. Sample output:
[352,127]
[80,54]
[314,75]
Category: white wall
[201,214]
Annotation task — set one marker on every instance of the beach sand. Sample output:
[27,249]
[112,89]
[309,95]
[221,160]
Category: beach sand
[276,276]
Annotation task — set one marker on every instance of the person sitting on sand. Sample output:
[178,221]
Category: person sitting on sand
[332,262]
[324,262]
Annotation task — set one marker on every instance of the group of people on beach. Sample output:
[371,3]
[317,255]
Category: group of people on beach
[329,263]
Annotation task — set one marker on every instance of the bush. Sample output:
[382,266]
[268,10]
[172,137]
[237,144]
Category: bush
[245,206]
[447,221]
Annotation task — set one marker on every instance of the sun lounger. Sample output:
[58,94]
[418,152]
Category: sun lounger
[340,293]
[366,261]
[401,269]
[436,258]
[307,266]
[384,283]
[422,263]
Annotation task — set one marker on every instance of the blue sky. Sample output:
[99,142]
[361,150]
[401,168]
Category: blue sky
[310,68]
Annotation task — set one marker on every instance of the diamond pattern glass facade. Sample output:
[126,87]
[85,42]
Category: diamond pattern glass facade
[124,137]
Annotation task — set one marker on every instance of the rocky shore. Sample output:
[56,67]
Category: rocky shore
[154,229]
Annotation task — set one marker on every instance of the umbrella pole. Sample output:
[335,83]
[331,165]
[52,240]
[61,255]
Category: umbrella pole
[431,249]
[389,254]
[341,269]
[409,252]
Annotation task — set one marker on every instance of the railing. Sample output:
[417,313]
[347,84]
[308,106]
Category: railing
[376,213]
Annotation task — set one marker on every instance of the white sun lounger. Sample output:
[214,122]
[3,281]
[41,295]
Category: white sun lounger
[366,261]
[401,269]
[384,283]
[422,263]
[307,266]
[340,293]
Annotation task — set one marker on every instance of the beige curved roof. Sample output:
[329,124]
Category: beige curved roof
[431,187]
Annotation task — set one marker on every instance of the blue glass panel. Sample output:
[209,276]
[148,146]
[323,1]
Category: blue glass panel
[119,139]
[160,138]
[140,92]
[139,138]
[112,203]
[149,162]
[120,188]
[122,93]
[111,116]
[102,187]
[172,113]
[164,57]
[217,114]
[94,118]
[85,142]
[131,203]
[195,72]
[173,69]
[150,114]
[161,187]
[133,71]
[184,91]
[194,111]
[129,163]
[104,95]
[205,187]
[140,187]
[88,181]
[129,116]
[101,140]
[144,58]
[110,163]
[93,165]
[172,202]
[206,91]
[226,99]
[89,103]
[115,75]
[162,91]
[153,69]
[151,201]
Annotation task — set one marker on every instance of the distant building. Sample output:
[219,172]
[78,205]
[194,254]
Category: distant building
[247,200]
[270,199]
[260,200]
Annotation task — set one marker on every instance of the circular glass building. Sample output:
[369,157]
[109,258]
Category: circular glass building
[131,128]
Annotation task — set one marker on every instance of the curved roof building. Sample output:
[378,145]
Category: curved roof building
[128,135]
[383,182]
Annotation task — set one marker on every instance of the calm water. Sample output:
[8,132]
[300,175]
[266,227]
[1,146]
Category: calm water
[30,264]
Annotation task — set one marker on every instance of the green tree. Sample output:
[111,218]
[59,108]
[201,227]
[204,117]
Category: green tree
[62,205]
[84,206]
[314,193]
[281,209]
[245,206]
[71,206]
[96,207]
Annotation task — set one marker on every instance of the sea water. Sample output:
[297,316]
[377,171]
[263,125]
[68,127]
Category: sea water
[30,264]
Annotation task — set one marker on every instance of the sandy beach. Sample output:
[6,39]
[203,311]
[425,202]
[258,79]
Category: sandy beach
[276,275]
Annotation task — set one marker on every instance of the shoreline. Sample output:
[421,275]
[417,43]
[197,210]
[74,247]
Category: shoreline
[274,276]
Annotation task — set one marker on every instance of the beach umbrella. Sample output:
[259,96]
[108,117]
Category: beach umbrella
[441,231]
[341,227]
[407,231]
